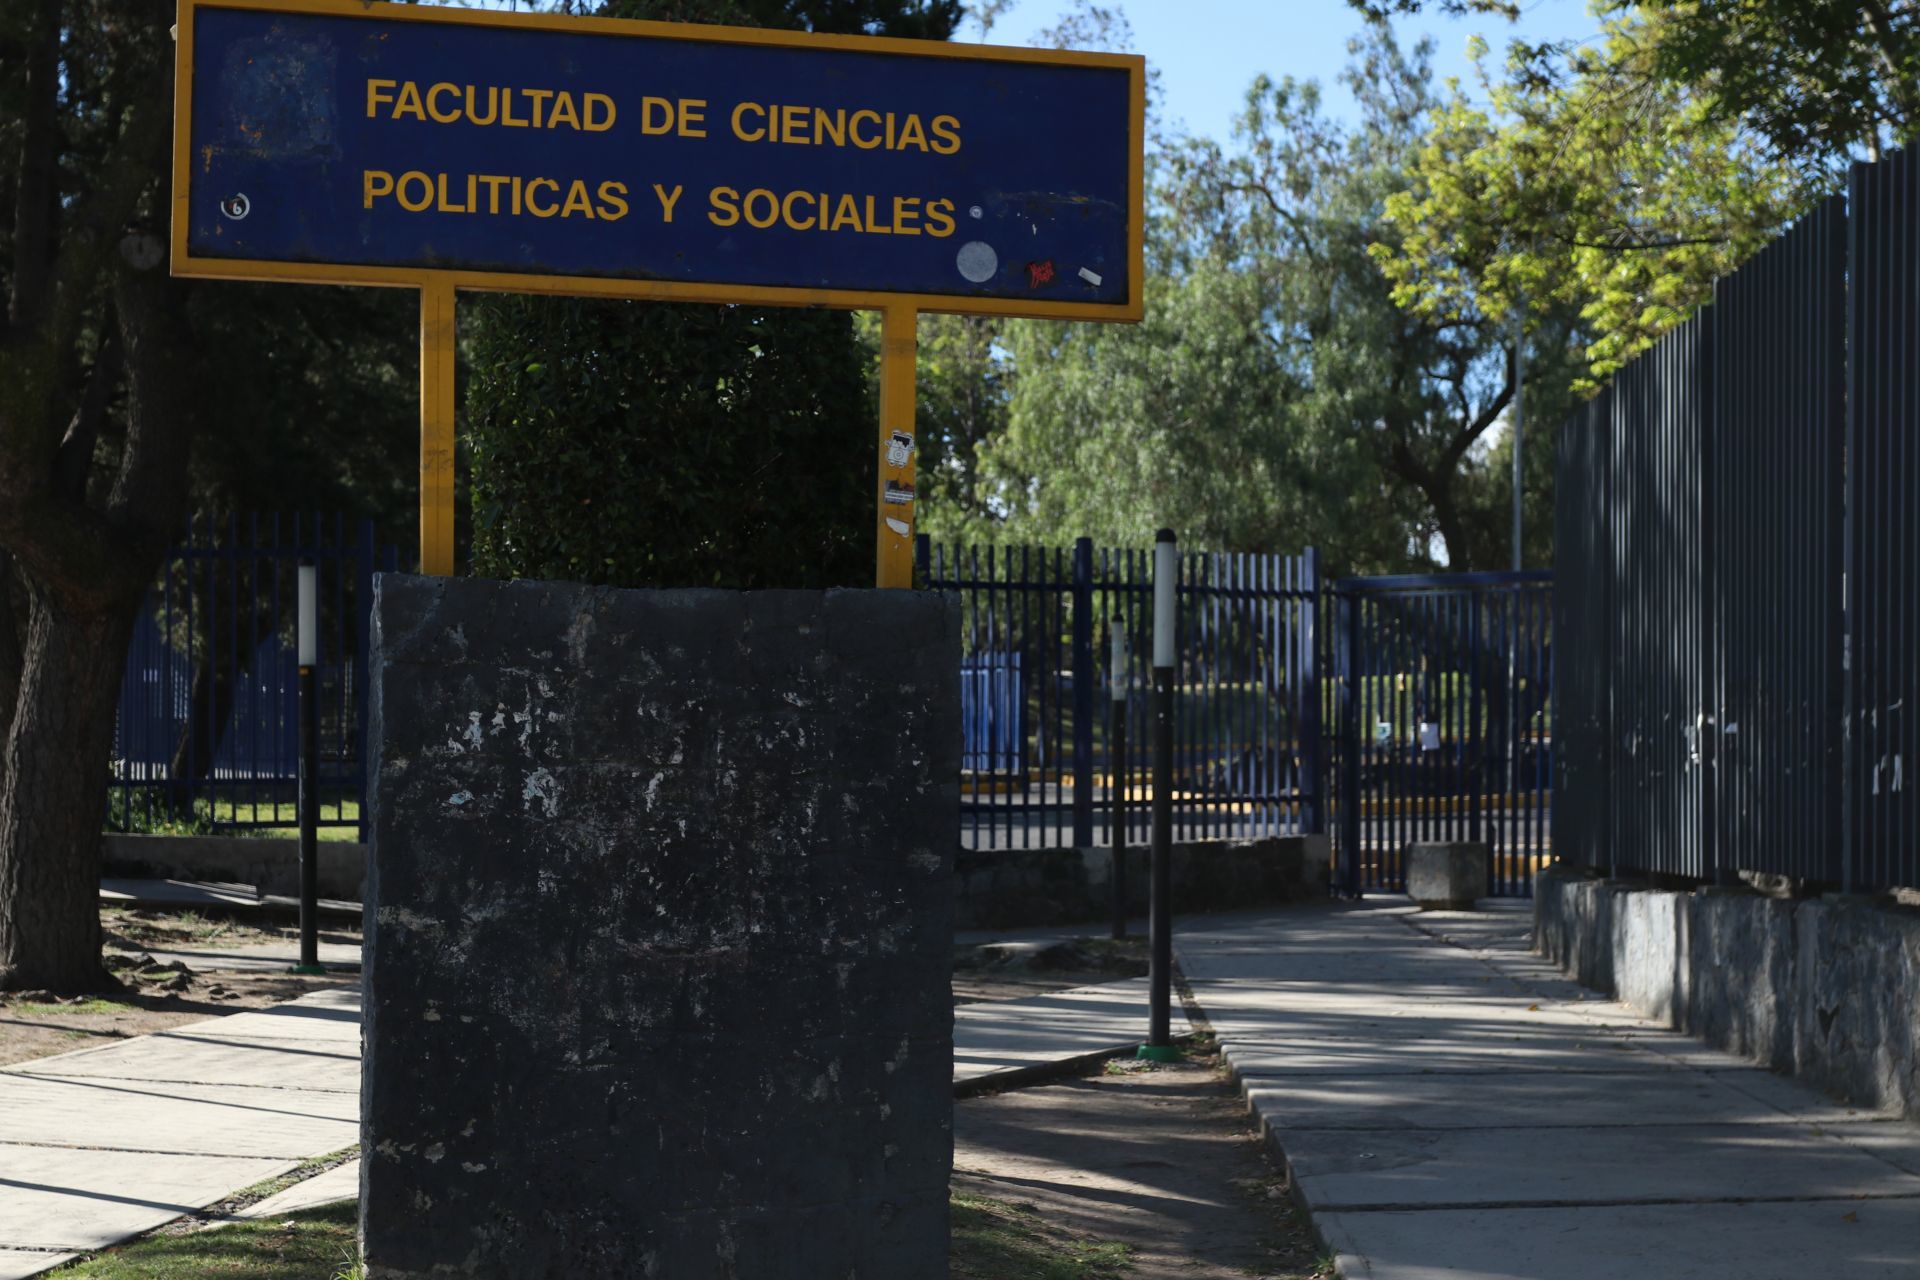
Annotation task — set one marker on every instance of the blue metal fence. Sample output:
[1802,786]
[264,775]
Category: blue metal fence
[208,716]
[1432,694]
[1446,724]
[1035,704]
[993,714]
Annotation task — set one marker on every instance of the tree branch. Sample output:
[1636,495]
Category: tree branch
[74,459]
[1880,22]
[35,200]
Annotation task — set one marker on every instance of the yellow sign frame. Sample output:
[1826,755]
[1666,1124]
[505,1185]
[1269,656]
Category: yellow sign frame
[438,287]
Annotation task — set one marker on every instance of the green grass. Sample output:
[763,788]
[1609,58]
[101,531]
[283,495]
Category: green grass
[212,818]
[992,1240]
[318,1244]
[49,1008]
[285,818]
[280,1182]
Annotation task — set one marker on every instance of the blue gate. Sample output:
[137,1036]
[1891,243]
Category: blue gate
[1445,732]
[1038,770]
[993,714]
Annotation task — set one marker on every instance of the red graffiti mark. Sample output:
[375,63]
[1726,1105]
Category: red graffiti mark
[1039,273]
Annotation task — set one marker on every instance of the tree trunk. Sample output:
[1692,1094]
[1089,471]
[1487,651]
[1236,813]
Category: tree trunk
[52,801]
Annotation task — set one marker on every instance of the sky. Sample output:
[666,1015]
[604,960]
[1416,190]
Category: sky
[1209,51]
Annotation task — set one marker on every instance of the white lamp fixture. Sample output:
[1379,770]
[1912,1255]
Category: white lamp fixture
[1166,574]
[308,624]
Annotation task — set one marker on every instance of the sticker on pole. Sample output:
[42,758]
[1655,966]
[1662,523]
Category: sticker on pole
[327,141]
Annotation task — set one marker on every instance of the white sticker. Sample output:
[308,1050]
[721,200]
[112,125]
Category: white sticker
[899,493]
[1429,736]
[977,261]
[1091,276]
[899,448]
[975,211]
[900,527]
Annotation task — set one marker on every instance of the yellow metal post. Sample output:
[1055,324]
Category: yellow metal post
[894,492]
[436,428]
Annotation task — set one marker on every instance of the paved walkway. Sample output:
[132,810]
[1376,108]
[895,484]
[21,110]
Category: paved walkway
[259,957]
[213,895]
[109,1142]
[999,1043]
[1451,1107]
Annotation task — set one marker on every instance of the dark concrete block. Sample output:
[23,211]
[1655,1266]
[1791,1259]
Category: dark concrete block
[661,914]
[1742,973]
[1449,875]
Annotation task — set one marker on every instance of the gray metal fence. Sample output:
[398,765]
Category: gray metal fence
[1659,638]
[1582,615]
[1883,543]
[1708,504]
[1777,502]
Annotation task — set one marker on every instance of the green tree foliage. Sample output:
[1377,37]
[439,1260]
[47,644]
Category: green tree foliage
[655,445]
[1588,181]
[317,407]
[1817,79]
[651,444]
[1275,395]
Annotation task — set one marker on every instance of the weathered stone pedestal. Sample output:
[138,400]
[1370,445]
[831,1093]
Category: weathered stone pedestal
[659,933]
[1450,876]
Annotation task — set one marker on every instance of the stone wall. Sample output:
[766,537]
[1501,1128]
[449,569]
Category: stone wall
[660,933]
[271,866]
[1827,990]
[1004,888]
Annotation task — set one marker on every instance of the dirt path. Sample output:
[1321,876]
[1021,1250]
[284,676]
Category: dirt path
[157,997]
[1162,1161]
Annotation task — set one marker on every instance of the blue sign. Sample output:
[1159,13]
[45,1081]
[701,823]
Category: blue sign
[375,143]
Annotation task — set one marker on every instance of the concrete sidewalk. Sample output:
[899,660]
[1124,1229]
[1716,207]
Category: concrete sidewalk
[259,957]
[1449,1106]
[1001,1043]
[105,1143]
[212,896]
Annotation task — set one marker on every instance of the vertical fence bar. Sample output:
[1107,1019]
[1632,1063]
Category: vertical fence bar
[1352,687]
[1312,710]
[362,640]
[1083,699]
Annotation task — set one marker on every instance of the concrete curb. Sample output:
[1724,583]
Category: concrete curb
[1824,990]
[1046,1072]
[1345,1265]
